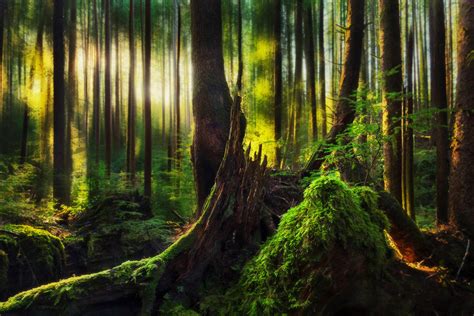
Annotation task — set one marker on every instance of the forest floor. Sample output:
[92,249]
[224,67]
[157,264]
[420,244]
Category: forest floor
[122,227]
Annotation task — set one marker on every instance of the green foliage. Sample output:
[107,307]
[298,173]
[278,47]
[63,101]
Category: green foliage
[294,268]
[425,188]
[19,193]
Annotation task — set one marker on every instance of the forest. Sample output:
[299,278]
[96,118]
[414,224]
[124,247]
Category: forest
[236,157]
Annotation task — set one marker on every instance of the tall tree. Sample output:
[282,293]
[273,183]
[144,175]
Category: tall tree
[108,90]
[310,67]
[72,83]
[298,83]
[322,68]
[177,81]
[211,96]
[277,80]
[131,129]
[345,110]
[3,9]
[439,101]
[59,179]
[461,183]
[96,83]
[147,108]
[390,43]
[408,144]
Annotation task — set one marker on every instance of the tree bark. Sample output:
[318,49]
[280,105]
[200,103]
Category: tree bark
[298,83]
[277,81]
[177,82]
[392,91]
[322,69]
[439,101]
[96,89]
[345,110]
[211,97]
[59,175]
[461,197]
[131,96]
[311,68]
[108,91]
[147,109]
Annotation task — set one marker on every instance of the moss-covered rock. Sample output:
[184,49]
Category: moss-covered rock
[330,245]
[28,257]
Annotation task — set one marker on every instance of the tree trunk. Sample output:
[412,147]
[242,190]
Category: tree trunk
[439,101]
[108,91]
[311,68]
[131,97]
[96,89]
[322,69]
[408,171]
[211,97]
[461,197]
[59,178]
[3,9]
[147,109]
[345,111]
[177,83]
[277,81]
[298,83]
[239,47]
[72,91]
[392,90]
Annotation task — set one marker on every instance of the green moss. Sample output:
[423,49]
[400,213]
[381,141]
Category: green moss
[296,266]
[141,276]
[36,255]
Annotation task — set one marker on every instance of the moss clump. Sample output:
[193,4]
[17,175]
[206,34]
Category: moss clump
[35,257]
[333,236]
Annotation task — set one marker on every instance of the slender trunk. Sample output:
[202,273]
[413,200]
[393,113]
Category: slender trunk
[59,187]
[311,68]
[322,69]
[392,90]
[298,84]
[408,170]
[439,101]
[96,92]
[278,81]
[147,107]
[239,47]
[108,91]
[177,82]
[131,97]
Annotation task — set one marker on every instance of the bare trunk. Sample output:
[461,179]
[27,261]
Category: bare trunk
[461,197]
[392,95]
[439,101]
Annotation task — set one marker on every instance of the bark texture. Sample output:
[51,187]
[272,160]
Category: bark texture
[439,101]
[211,96]
[390,45]
[461,189]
